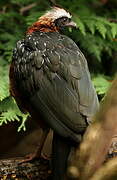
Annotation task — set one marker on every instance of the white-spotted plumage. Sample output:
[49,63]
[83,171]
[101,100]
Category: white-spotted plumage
[56,13]
[45,44]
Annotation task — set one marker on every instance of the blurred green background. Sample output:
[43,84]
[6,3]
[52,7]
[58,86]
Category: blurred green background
[96,36]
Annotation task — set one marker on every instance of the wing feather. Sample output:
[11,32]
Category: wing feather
[56,81]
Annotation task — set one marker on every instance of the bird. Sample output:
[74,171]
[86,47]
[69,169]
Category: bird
[50,79]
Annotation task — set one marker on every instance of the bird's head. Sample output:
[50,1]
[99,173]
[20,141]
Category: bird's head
[54,20]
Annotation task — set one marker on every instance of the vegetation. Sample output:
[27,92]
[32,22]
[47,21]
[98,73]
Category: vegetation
[96,36]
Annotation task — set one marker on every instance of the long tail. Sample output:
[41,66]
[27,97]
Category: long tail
[61,150]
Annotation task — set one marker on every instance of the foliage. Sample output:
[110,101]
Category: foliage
[96,35]
[101,84]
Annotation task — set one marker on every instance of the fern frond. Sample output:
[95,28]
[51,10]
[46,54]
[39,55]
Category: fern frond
[9,103]
[4,88]
[81,26]
[10,115]
[3,91]
[22,126]
[114,30]
[91,25]
[9,111]
[101,28]
[91,44]
[101,84]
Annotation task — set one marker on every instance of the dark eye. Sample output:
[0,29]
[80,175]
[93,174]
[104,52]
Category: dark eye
[61,22]
[65,19]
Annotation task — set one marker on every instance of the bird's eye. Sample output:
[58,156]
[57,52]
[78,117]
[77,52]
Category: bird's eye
[64,19]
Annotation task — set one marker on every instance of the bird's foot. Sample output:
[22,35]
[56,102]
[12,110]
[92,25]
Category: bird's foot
[29,158]
[45,156]
[33,156]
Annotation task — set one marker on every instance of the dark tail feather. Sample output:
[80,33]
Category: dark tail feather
[61,150]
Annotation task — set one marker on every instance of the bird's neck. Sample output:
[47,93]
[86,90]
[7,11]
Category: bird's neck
[43,26]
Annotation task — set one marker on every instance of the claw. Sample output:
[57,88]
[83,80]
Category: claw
[29,158]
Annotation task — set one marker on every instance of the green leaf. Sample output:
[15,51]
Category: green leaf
[10,115]
[114,30]
[81,26]
[101,84]
[4,86]
[9,111]
[22,126]
[91,26]
[101,28]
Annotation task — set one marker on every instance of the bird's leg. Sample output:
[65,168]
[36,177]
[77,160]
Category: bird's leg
[38,150]
[43,139]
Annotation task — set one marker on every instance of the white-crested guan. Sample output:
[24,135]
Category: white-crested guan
[49,78]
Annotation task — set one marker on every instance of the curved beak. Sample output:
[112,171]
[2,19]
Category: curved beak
[71,24]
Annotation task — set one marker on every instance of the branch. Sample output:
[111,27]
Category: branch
[27,8]
[52,2]
[107,171]
[11,169]
[113,20]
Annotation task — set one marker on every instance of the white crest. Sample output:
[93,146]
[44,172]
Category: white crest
[56,13]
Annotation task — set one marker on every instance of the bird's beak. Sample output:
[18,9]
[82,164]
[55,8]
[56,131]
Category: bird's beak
[71,24]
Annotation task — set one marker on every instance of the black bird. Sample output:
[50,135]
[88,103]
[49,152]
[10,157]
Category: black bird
[49,78]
